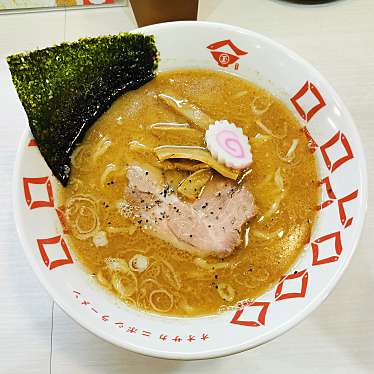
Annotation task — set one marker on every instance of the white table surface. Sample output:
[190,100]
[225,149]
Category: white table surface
[37,337]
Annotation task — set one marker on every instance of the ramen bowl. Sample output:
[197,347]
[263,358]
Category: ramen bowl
[333,139]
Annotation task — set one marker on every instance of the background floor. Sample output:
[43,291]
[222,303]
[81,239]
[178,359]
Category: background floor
[37,337]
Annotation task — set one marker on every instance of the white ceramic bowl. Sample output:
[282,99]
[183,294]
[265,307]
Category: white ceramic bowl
[337,146]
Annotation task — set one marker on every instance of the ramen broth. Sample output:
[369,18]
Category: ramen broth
[151,274]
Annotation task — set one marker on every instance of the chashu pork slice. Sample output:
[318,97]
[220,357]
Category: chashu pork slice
[211,226]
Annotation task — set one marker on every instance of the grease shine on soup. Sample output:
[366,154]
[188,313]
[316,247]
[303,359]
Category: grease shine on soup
[125,253]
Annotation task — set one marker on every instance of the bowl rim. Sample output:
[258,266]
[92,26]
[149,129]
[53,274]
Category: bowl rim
[72,312]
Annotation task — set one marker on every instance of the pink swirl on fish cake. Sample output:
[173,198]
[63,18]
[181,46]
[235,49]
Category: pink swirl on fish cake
[230,143]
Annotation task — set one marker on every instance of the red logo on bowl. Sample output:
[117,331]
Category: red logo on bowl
[223,58]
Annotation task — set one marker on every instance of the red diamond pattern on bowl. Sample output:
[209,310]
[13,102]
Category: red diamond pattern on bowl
[310,88]
[45,184]
[63,251]
[329,191]
[249,310]
[338,138]
[335,236]
[297,282]
[346,222]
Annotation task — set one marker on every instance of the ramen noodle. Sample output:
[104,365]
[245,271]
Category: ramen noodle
[138,226]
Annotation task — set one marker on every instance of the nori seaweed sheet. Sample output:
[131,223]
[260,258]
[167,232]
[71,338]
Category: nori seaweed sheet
[64,89]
